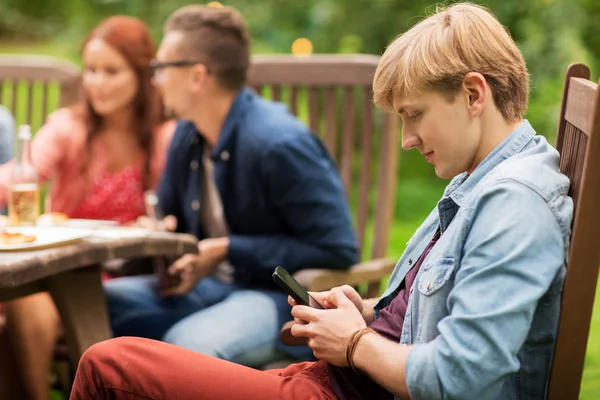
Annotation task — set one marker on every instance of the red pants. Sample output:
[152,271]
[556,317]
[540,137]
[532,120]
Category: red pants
[133,368]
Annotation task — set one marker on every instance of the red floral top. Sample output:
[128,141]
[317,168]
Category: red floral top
[115,196]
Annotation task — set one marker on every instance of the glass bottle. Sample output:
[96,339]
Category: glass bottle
[24,199]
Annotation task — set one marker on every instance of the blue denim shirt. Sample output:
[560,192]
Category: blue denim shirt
[484,310]
[283,199]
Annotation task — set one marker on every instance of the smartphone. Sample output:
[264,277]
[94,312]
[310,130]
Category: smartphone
[294,289]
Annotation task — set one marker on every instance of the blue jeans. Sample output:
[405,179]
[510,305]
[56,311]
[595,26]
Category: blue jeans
[218,319]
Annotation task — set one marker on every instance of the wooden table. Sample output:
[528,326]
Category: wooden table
[71,274]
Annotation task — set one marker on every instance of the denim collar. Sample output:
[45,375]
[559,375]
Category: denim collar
[463,184]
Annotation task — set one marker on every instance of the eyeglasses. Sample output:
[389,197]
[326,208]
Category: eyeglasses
[157,65]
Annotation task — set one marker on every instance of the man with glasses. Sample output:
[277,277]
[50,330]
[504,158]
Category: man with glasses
[251,182]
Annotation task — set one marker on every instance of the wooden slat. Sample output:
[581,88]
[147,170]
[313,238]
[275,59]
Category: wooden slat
[313,109]
[574,142]
[348,122]
[69,93]
[386,185]
[331,120]
[29,103]
[580,106]
[318,69]
[276,92]
[577,71]
[366,149]
[579,166]
[258,89]
[294,100]
[32,68]
[567,148]
[44,101]
[12,90]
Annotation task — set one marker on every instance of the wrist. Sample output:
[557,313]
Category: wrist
[353,343]
[361,351]
[368,314]
[215,249]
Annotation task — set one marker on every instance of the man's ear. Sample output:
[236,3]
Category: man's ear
[475,89]
[198,76]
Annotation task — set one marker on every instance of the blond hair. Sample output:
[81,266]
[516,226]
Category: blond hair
[440,50]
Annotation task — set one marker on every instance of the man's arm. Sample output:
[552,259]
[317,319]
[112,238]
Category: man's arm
[508,265]
[305,190]
[384,361]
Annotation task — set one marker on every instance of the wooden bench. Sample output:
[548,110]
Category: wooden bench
[333,95]
[31,86]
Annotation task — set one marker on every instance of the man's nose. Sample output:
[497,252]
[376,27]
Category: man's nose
[409,139]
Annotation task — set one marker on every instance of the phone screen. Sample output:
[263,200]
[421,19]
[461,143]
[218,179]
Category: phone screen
[293,288]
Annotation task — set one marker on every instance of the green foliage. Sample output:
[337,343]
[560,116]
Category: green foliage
[551,33]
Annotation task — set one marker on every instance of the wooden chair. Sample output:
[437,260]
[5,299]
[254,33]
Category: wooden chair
[578,142]
[333,94]
[31,86]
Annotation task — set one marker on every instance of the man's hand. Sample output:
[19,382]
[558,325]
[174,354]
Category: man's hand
[193,267]
[329,331]
[349,292]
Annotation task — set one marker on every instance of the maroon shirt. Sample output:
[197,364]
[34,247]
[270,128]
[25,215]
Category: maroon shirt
[350,385]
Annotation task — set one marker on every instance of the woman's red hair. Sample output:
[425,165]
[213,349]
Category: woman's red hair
[131,38]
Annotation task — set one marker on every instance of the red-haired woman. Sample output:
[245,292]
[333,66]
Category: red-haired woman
[102,154]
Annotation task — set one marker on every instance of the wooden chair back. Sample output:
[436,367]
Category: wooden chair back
[31,87]
[578,141]
[333,95]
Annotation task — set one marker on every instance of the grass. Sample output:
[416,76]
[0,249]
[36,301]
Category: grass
[416,198]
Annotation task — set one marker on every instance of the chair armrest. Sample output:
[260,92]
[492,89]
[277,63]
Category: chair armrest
[316,280]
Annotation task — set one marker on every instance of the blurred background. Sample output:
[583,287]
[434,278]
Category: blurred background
[551,34]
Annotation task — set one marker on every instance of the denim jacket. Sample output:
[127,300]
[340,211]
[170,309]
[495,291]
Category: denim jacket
[483,311]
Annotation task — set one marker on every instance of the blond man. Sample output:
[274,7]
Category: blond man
[471,309]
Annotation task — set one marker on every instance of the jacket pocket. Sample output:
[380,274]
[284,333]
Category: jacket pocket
[435,275]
